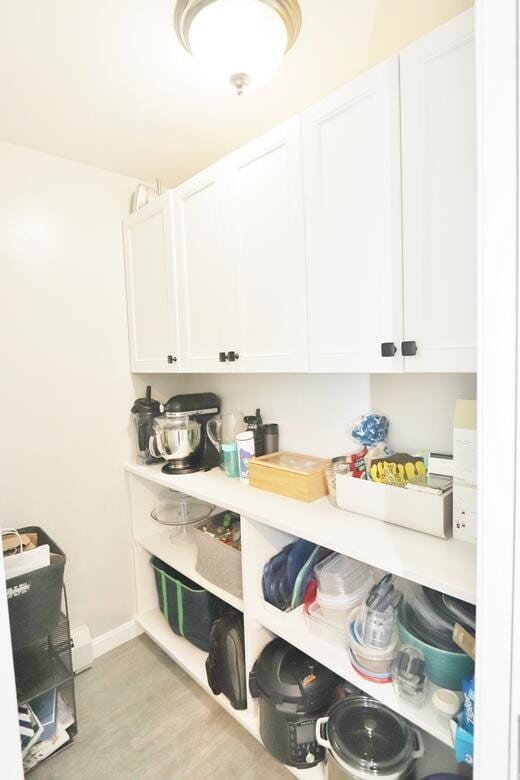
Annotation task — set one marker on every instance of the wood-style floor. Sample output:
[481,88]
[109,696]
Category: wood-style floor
[142,718]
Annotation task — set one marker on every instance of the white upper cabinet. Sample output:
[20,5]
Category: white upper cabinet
[265,211]
[150,288]
[353,221]
[439,198]
[201,249]
[344,240]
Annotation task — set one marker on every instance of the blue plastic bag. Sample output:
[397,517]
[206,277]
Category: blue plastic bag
[371,429]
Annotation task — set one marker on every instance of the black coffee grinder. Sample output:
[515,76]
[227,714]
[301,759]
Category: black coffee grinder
[181,434]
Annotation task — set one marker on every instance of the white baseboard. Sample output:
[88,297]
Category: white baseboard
[116,636]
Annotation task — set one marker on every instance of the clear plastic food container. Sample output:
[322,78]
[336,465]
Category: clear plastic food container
[408,674]
[376,629]
[372,660]
[337,616]
[375,677]
[319,624]
[337,609]
[338,576]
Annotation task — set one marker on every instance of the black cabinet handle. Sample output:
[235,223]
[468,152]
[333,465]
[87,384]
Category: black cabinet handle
[388,349]
[172,359]
[232,356]
[408,348]
[222,357]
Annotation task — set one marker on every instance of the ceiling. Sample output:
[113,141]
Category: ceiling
[106,82]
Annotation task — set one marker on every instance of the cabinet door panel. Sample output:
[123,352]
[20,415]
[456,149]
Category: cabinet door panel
[439,197]
[150,285]
[353,221]
[201,253]
[268,280]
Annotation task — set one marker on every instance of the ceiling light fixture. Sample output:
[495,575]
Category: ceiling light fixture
[240,41]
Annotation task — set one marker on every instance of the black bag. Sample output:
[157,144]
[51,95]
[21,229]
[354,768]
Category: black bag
[226,664]
[34,599]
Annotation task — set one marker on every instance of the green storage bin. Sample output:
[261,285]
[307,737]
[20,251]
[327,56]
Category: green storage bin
[443,667]
[189,609]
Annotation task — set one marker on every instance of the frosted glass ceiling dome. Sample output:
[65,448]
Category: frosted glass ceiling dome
[241,42]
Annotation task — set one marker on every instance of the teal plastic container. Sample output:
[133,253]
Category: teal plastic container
[230,460]
[443,667]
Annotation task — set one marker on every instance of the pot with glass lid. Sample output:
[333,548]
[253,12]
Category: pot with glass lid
[366,740]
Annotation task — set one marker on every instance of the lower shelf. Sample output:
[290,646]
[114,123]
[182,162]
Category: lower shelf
[292,627]
[183,558]
[189,658]
[193,661]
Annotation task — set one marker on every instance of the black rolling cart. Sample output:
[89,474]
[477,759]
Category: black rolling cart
[40,635]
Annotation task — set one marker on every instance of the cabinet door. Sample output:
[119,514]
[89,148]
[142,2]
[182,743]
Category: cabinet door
[439,198]
[151,288]
[201,245]
[265,208]
[353,221]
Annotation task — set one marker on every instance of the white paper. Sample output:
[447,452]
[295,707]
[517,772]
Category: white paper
[25,562]
[465,455]
[44,749]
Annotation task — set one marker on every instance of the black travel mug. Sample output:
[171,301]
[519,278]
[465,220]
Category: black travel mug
[271,438]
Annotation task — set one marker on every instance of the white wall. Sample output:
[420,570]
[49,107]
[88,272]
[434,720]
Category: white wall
[315,410]
[312,410]
[66,390]
[420,407]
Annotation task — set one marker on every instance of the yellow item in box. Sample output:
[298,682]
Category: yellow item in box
[290,474]
[392,473]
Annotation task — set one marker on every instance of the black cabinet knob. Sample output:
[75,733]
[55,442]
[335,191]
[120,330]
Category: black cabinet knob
[388,349]
[172,359]
[408,348]
[232,356]
[222,357]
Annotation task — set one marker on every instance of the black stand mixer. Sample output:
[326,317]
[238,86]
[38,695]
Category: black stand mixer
[180,436]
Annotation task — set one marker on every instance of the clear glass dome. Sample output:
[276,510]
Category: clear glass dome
[180,512]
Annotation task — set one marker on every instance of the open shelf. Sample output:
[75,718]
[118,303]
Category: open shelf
[193,660]
[183,558]
[189,658]
[447,565]
[292,627]
[269,522]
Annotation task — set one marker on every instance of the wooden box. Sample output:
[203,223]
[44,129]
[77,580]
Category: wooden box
[290,474]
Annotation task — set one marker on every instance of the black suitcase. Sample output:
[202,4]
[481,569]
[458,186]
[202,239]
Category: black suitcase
[225,664]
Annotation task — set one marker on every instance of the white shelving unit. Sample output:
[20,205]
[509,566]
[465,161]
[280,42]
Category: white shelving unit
[190,658]
[444,564]
[183,558]
[268,523]
[292,627]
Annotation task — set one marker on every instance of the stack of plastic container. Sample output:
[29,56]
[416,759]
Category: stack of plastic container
[373,638]
[342,583]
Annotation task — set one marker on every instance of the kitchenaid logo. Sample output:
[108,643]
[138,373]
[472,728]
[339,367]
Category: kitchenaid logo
[18,590]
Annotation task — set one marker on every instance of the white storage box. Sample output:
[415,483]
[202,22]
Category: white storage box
[424,512]
[465,512]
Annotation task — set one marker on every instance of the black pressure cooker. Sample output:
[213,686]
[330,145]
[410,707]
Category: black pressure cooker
[293,691]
